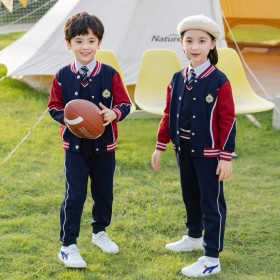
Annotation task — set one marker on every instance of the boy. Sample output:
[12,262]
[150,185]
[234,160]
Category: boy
[87,79]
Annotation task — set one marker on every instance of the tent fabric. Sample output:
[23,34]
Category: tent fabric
[131,27]
[252,12]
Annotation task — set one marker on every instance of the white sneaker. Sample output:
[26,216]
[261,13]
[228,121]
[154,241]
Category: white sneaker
[102,241]
[202,268]
[185,244]
[71,257]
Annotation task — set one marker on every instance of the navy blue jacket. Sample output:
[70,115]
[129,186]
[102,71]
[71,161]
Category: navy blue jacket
[212,115]
[105,86]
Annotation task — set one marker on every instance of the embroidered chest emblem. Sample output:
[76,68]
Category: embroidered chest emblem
[209,98]
[106,93]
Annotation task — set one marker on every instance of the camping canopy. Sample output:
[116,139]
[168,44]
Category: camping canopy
[252,12]
[131,27]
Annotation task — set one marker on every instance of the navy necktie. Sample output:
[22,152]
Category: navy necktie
[192,76]
[83,72]
[189,85]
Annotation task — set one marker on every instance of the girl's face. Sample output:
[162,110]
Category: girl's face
[84,47]
[196,45]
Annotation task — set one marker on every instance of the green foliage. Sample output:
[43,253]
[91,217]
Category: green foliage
[3,70]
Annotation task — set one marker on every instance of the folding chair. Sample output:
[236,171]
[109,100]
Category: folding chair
[156,70]
[245,99]
[108,57]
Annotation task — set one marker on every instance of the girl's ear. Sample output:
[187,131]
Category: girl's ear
[68,44]
[213,44]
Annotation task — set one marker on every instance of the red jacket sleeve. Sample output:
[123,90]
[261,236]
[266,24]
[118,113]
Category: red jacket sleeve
[55,103]
[226,121]
[121,100]
[163,137]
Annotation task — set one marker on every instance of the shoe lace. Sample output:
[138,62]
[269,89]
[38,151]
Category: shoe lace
[198,265]
[182,240]
[104,238]
[75,252]
[200,261]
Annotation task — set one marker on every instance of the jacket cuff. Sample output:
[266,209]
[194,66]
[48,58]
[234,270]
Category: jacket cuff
[161,146]
[118,113]
[225,155]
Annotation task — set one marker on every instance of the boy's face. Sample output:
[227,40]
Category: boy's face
[84,47]
[197,45]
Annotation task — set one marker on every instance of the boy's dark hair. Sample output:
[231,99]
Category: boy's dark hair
[79,25]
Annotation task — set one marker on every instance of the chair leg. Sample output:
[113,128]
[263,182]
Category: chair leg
[253,120]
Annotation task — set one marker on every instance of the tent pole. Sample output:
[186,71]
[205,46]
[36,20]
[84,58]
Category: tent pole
[243,60]
[24,138]
[249,70]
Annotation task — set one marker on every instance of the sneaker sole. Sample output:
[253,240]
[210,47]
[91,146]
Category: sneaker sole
[186,250]
[107,252]
[71,266]
[204,275]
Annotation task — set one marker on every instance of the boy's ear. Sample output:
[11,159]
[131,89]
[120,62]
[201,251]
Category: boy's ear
[68,44]
[99,44]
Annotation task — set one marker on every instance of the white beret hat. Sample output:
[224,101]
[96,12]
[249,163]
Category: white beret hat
[199,22]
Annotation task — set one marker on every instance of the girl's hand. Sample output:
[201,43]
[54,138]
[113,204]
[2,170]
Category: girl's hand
[108,114]
[155,159]
[224,169]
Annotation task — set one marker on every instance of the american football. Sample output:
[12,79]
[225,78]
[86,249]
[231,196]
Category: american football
[83,119]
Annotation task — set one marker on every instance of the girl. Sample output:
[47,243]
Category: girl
[199,119]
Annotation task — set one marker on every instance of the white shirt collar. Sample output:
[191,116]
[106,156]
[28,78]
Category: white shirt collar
[90,66]
[199,69]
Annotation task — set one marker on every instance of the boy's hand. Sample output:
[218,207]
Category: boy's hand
[224,169]
[108,114]
[155,159]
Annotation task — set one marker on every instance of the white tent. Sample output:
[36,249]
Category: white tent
[131,27]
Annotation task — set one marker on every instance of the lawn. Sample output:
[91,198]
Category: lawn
[148,210]
[6,39]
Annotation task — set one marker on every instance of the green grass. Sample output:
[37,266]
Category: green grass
[6,39]
[148,209]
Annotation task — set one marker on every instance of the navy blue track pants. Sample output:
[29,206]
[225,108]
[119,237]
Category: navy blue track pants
[78,168]
[204,200]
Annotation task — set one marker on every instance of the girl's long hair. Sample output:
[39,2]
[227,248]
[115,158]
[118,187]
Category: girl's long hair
[213,54]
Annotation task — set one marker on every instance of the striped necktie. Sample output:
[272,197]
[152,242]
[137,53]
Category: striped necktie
[83,72]
[192,76]
[84,76]
[189,85]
